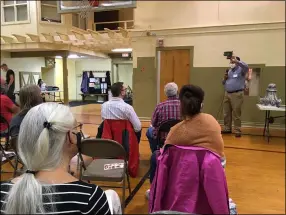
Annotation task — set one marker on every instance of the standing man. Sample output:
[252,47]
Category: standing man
[10,81]
[234,83]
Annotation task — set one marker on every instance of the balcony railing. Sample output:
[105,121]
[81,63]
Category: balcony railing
[127,24]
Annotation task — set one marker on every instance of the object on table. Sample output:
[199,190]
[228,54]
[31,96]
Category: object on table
[51,88]
[271,99]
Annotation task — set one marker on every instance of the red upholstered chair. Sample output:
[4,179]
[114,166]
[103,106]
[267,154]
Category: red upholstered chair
[122,132]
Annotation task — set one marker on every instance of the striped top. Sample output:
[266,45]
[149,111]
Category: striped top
[70,198]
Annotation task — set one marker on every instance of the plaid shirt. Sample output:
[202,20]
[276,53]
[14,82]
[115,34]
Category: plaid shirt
[169,109]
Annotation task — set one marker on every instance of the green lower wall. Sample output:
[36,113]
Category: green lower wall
[144,87]
[145,90]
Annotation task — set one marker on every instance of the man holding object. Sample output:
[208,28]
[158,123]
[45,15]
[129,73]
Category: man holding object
[234,83]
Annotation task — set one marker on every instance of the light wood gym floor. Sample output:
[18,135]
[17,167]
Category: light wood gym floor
[255,169]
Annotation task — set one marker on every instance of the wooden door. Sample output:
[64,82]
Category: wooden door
[166,71]
[181,67]
[174,67]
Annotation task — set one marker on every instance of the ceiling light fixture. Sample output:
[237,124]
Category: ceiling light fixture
[122,50]
[73,56]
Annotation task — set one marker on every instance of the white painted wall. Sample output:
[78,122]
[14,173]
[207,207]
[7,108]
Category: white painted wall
[31,64]
[254,47]
[125,74]
[176,14]
[213,27]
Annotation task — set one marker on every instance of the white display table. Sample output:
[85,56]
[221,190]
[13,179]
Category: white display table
[267,110]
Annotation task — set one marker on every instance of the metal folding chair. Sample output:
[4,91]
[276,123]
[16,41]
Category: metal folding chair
[13,144]
[165,127]
[5,134]
[110,163]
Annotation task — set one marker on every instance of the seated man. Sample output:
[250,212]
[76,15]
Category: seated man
[117,109]
[7,107]
[169,109]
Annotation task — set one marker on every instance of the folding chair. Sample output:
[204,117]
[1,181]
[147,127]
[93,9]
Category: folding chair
[165,127]
[13,144]
[5,134]
[110,163]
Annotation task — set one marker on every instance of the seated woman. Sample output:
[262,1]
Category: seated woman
[42,86]
[46,144]
[30,96]
[196,129]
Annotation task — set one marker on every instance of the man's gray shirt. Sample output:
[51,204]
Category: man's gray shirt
[236,78]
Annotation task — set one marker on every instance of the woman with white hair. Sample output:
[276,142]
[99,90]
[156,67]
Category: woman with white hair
[46,145]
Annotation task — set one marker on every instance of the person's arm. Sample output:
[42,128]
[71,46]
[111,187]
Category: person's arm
[225,77]
[133,118]
[11,106]
[103,112]
[15,109]
[241,64]
[11,76]
[154,121]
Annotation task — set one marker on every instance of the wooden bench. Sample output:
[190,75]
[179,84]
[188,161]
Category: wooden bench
[84,95]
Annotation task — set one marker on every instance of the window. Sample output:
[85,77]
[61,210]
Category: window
[49,12]
[14,11]
[78,22]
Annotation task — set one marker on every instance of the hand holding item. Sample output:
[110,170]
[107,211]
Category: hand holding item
[233,59]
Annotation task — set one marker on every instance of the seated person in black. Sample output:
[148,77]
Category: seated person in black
[30,96]
[46,144]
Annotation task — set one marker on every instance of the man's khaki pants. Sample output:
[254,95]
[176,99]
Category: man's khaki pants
[232,104]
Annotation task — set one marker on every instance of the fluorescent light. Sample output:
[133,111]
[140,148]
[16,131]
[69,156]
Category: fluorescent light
[106,4]
[122,50]
[73,56]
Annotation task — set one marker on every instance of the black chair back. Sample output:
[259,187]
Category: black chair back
[165,127]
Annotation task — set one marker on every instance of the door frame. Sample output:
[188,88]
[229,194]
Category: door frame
[117,63]
[158,58]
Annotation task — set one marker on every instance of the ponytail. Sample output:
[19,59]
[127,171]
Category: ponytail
[25,196]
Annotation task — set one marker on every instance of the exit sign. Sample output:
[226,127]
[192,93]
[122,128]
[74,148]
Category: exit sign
[125,54]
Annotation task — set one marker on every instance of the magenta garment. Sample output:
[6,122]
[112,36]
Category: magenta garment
[189,179]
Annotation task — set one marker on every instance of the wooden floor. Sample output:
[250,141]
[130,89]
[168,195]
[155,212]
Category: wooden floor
[255,169]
